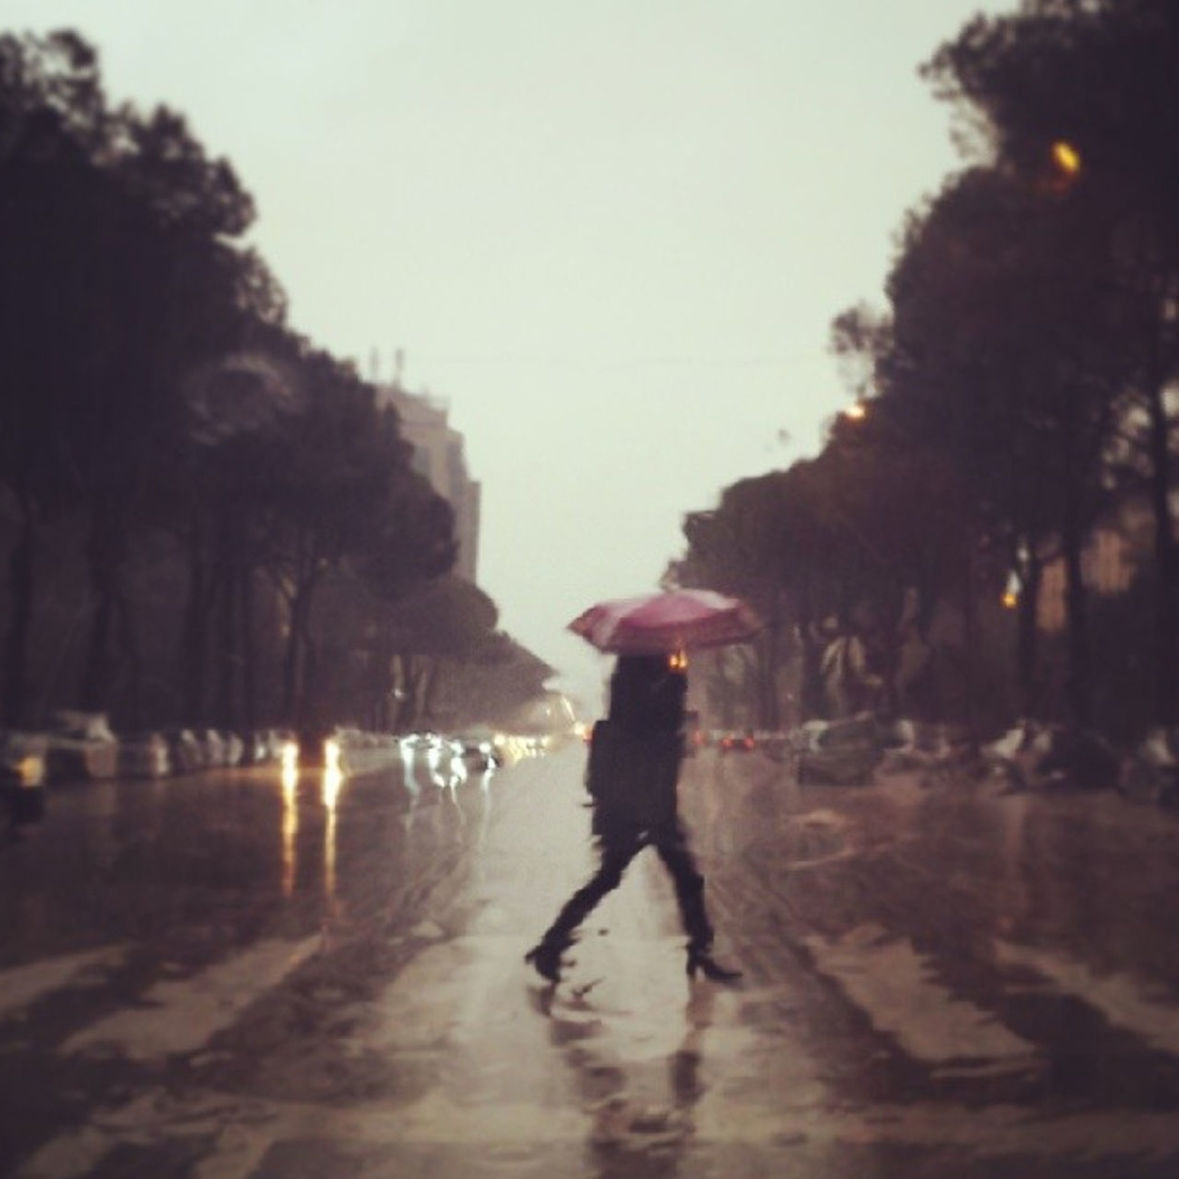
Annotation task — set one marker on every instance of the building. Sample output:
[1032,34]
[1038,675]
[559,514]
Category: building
[1108,564]
[439,454]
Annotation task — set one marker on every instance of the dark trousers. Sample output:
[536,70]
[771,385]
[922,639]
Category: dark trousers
[617,848]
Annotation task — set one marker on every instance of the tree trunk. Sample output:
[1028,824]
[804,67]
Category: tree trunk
[249,653]
[1078,677]
[131,657]
[432,678]
[299,659]
[1028,636]
[409,682]
[970,637]
[887,649]
[227,655]
[310,690]
[766,671]
[92,691]
[811,645]
[225,709]
[291,659]
[21,564]
[1166,620]
[192,633]
[890,652]
[104,557]
[229,622]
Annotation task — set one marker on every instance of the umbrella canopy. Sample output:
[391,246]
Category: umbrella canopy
[677,620]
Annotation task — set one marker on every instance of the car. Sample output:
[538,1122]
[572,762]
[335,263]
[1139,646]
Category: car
[737,743]
[479,753]
[430,745]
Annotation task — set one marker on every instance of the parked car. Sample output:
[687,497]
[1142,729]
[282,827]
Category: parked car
[186,754]
[81,746]
[144,755]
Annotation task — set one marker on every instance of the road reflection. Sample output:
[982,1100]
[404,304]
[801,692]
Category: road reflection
[438,800]
[333,780]
[331,784]
[633,1131]
[290,823]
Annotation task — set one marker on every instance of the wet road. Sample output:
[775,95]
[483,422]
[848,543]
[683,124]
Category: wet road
[226,977]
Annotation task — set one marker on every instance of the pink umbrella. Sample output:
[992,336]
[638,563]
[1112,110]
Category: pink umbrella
[677,620]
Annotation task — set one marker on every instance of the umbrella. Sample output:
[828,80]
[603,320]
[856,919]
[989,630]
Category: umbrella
[676,620]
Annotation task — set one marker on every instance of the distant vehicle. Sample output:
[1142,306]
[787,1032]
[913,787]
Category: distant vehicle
[479,753]
[737,743]
[429,742]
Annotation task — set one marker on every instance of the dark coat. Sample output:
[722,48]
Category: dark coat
[635,754]
[631,778]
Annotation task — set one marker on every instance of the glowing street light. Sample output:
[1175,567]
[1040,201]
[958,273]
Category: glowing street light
[856,412]
[1066,158]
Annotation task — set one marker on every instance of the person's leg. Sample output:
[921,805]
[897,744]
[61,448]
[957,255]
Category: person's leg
[672,845]
[616,854]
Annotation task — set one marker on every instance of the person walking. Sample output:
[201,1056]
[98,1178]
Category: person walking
[632,774]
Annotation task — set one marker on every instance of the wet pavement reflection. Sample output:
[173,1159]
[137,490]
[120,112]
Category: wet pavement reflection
[285,971]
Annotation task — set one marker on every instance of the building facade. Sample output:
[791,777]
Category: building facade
[439,455]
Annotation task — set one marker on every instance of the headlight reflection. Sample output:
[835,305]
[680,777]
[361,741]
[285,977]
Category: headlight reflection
[290,815]
[333,780]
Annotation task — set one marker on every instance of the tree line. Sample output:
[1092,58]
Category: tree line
[207,518]
[1016,394]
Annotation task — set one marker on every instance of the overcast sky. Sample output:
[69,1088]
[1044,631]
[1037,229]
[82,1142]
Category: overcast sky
[611,235]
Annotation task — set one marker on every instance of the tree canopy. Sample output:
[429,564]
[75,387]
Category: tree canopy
[152,389]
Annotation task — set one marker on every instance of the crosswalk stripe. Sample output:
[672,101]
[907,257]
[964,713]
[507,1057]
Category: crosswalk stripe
[186,1013]
[1125,1001]
[894,986]
[239,1133]
[21,986]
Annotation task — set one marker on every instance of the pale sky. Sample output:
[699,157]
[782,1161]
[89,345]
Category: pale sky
[610,235]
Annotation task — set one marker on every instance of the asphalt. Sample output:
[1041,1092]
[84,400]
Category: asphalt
[229,975]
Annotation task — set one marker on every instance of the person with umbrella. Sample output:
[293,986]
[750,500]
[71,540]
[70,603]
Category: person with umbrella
[634,762]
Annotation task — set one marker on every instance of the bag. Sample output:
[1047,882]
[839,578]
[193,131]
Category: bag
[631,777]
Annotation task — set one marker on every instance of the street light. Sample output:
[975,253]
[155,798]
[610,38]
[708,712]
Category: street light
[1064,167]
[1066,158]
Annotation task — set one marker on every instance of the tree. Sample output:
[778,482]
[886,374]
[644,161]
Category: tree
[864,535]
[899,536]
[52,122]
[151,389]
[223,484]
[447,622]
[347,493]
[1094,86]
[119,275]
[732,549]
[1004,351]
[175,295]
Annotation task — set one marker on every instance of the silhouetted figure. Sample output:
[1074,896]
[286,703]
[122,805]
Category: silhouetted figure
[24,804]
[634,764]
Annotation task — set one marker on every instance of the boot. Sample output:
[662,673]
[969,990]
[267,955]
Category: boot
[700,958]
[545,958]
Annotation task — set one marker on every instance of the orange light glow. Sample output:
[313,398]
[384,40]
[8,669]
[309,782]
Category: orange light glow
[678,660]
[1066,157]
[290,821]
[1010,599]
[332,781]
[290,759]
[856,412]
